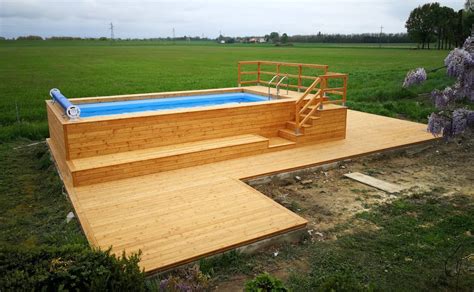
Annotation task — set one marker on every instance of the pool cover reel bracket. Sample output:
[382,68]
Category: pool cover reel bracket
[72,111]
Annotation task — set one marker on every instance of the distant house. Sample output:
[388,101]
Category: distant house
[256,40]
[222,41]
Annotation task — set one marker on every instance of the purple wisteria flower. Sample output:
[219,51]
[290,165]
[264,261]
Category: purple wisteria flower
[459,122]
[465,86]
[442,99]
[448,129]
[457,61]
[470,118]
[413,77]
[436,124]
[449,119]
[469,44]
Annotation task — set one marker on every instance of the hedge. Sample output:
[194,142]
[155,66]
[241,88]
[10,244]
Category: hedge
[73,268]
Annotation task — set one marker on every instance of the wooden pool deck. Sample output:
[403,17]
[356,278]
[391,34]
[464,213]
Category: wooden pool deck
[180,215]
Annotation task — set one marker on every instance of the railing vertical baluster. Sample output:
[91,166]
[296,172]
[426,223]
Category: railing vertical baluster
[323,91]
[344,96]
[238,74]
[300,72]
[258,73]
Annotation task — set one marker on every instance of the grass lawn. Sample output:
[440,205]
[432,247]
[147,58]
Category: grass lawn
[33,204]
[29,69]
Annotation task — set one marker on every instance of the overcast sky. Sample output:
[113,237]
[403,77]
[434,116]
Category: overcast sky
[149,18]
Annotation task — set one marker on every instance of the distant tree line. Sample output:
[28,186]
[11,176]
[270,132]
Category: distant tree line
[446,27]
[352,38]
[29,38]
[68,38]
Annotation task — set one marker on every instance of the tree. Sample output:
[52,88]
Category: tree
[29,38]
[468,18]
[421,22]
[431,22]
[274,37]
[284,38]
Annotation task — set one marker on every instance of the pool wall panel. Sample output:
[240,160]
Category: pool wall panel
[57,140]
[94,138]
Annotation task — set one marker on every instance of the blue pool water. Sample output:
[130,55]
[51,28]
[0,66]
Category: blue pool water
[156,104]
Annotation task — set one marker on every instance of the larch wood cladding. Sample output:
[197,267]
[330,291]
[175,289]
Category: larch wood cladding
[112,136]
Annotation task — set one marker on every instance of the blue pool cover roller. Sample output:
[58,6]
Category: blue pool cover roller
[72,111]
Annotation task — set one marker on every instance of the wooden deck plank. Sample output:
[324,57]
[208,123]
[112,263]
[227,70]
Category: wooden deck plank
[180,215]
[374,182]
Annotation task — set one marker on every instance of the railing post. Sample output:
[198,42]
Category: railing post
[238,74]
[344,96]
[323,91]
[300,71]
[258,73]
[297,118]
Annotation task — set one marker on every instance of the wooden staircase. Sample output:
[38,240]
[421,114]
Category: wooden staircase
[312,116]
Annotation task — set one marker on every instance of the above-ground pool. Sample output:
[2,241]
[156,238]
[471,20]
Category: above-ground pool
[133,106]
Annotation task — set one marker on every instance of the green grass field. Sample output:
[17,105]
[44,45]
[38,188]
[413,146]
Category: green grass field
[29,69]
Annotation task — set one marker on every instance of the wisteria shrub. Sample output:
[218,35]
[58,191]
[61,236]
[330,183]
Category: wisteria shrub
[452,117]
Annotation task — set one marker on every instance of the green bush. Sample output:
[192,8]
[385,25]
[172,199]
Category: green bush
[264,283]
[68,268]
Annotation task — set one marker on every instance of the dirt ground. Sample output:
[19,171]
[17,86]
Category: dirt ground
[327,199]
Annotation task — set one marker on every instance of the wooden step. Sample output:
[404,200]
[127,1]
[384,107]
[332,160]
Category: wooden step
[279,143]
[289,134]
[332,106]
[313,106]
[327,107]
[292,126]
[311,120]
[127,164]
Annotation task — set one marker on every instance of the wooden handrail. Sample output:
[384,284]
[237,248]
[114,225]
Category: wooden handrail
[299,77]
[318,99]
[309,102]
[289,64]
[308,90]
[303,96]
[310,113]
[275,83]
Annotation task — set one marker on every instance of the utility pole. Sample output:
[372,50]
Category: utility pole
[174,36]
[111,31]
[380,36]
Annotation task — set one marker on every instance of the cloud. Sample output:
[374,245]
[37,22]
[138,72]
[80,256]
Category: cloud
[147,18]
